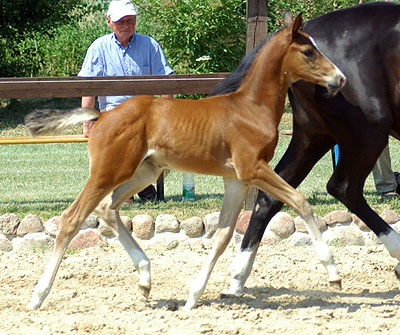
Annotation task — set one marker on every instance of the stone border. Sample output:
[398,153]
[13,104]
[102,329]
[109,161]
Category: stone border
[338,228]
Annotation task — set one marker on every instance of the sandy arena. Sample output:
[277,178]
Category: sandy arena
[95,292]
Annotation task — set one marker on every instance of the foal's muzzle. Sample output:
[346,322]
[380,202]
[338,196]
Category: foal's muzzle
[337,84]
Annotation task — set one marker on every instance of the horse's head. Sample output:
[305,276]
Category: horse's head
[303,60]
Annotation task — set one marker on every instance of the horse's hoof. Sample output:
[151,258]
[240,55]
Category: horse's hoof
[397,273]
[336,284]
[35,303]
[31,306]
[227,295]
[145,290]
[188,307]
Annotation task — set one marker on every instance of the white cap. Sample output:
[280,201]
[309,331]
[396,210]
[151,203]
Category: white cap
[120,8]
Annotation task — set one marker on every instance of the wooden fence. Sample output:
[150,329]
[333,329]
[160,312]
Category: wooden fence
[95,86]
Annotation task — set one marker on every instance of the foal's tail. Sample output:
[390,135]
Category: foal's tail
[44,121]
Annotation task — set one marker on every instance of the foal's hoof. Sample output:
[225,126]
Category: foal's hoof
[32,306]
[336,284]
[145,290]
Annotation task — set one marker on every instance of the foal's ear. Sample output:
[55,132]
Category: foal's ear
[287,19]
[297,24]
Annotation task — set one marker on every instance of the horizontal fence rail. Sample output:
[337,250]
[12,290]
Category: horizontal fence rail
[43,139]
[95,86]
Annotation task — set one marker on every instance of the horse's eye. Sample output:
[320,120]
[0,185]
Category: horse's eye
[308,52]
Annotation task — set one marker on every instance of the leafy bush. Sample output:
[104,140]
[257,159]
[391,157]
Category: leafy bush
[50,38]
[23,19]
[197,36]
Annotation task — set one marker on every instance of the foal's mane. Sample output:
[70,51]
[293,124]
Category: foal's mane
[232,82]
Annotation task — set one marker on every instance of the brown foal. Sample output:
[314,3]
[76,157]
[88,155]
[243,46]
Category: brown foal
[232,135]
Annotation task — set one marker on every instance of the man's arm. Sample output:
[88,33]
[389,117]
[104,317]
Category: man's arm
[87,102]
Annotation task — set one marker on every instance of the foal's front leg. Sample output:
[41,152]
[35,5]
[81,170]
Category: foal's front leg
[270,182]
[235,193]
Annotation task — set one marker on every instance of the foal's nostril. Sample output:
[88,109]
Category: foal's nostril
[342,81]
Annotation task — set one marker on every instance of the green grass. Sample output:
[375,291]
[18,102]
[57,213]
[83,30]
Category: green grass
[45,178]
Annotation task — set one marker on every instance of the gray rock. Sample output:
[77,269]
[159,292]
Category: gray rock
[143,226]
[30,224]
[5,243]
[87,238]
[35,242]
[90,222]
[282,225]
[299,239]
[210,224]
[193,227]
[300,225]
[166,223]
[360,223]
[389,216]
[270,238]
[338,216]
[9,223]
[345,235]
[51,225]
[242,221]
[105,230]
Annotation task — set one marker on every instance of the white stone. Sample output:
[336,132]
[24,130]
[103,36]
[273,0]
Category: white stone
[35,242]
[210,224]
[166,223]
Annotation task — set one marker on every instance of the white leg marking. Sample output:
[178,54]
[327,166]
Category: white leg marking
[241,268]
[392,244]
[139,258]
[235,193]
[323,251]
[42,288]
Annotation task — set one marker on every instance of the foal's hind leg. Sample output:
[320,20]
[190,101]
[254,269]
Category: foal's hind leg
[109,211]
[270,182]
[71,221]
[235,193]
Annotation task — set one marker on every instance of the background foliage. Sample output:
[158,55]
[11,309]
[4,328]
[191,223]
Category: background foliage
[50,38]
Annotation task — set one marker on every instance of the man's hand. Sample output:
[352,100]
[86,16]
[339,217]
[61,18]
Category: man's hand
[87,102]
[86,128]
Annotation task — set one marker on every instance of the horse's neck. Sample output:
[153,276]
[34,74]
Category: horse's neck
[265,83]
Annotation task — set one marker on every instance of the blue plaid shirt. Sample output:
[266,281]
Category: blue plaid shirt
[106,57]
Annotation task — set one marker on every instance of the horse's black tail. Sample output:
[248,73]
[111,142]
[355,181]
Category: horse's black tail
[42,122]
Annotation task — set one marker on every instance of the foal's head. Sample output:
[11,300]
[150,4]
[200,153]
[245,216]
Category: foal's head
[303,60]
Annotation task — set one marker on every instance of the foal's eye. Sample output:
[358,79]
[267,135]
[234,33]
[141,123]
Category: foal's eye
[308,52]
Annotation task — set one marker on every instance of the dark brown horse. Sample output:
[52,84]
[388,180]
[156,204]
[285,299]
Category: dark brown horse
[364,41]
[232,135]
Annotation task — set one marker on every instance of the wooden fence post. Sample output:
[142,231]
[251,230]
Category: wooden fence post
[256,32]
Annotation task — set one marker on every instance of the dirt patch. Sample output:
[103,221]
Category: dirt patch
[95,292]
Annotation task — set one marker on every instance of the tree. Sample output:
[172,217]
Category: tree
[22,18]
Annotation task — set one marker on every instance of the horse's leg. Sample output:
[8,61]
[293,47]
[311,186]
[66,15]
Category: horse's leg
[108,209]
[300,157]
[270,182]
[235,193]
[71,221]
[105,176]
[347,184]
